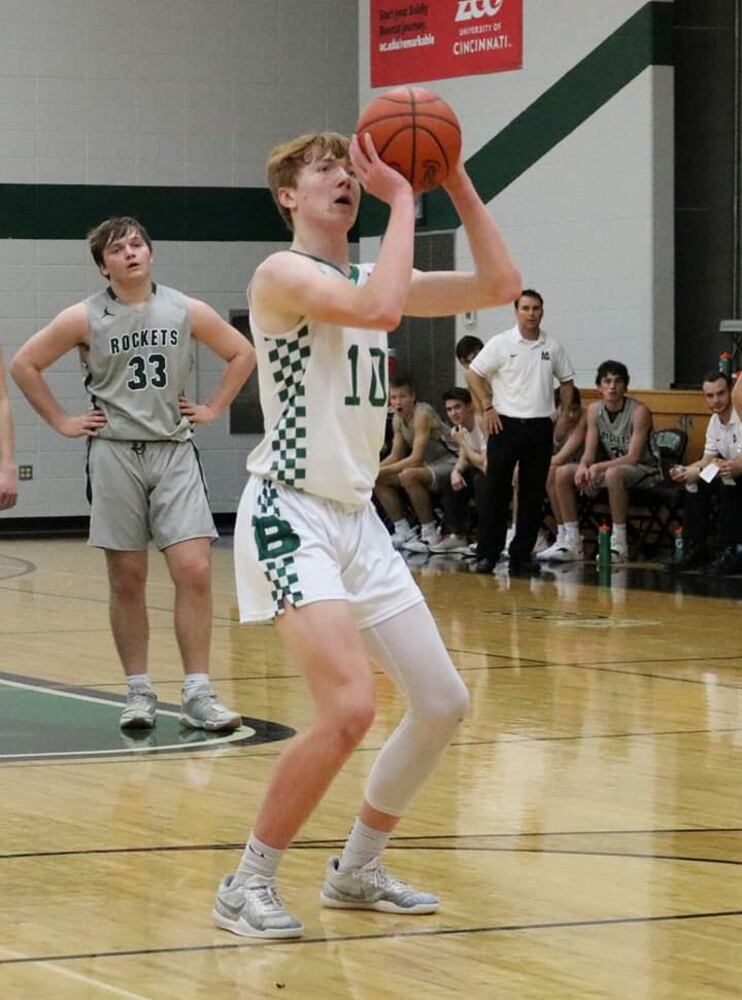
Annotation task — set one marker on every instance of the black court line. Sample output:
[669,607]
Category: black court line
[397,935]
[397,845]
[104,600]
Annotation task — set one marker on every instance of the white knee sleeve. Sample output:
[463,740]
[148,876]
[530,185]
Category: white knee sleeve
[412,653]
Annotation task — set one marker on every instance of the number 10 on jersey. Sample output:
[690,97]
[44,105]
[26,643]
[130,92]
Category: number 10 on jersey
[377,388]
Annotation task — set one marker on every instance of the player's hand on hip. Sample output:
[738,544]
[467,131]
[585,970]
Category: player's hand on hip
[197,413]
[86,425]
[378,179]
[491,422]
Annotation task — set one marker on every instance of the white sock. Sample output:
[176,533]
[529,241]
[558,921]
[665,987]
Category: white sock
[134,680]
[193,681]
[561,535]
[619,537]
[572,532]
[402,527]
[428,530]
[363,845]
[257,859]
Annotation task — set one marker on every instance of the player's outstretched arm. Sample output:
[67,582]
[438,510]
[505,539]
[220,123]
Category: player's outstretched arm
[8,475]
[495,280]
[208,327]
[67,331]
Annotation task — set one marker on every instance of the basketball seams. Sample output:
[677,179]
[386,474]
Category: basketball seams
[416,132]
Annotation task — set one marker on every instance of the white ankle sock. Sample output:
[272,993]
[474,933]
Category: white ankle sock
[618,541]
[561,535]
[134,680]
[364,843]
[257,859]
[193,681]
[572,532]
[402,527]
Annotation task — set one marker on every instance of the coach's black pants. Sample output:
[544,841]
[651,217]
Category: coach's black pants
[528,444]
[697,519]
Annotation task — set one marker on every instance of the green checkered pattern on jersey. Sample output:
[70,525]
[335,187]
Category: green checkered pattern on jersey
[289,359]
[280,569]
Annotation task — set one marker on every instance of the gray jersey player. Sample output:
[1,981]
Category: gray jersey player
[136,342]
[616,455]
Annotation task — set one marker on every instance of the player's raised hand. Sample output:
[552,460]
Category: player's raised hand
[375,176]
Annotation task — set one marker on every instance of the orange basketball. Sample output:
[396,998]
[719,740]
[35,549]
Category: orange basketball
[415,132]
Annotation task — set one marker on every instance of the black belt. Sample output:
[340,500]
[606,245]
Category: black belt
[524,420]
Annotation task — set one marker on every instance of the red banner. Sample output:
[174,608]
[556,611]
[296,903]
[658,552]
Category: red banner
[413,41]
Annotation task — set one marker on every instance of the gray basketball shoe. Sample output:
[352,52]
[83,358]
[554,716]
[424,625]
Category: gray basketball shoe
[140,708]
[254,909]
[203,710]
[372,888]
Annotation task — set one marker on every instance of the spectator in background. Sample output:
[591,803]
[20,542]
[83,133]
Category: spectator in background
[419,461]
[723,449]
[567,448]
[467,349]
[617,455]
[466,481]
[512,380]
[8,475]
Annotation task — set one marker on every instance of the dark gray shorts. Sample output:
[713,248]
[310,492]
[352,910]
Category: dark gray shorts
[142,490]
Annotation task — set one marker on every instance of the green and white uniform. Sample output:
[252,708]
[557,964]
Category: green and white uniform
[144,477]
[306,530]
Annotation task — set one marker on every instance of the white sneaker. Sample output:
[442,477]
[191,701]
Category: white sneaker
[619,555]
[450,545]
[140,708]
[424,543]
[542,542]
[373,888]
[254,909]
[399,538]
[545,555]
[567,552]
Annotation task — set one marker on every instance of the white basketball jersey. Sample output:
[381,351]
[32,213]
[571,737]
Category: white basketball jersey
[323,391]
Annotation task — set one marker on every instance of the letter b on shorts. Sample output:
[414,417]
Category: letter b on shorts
[274,537]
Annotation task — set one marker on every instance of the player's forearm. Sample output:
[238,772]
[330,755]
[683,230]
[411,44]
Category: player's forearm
[384,295]
[33,386]
[498,279]
[7,435]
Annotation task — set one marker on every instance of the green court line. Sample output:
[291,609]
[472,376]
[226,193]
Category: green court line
[198,214]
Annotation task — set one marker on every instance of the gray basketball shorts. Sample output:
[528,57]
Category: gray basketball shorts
[142,490]
[298,548]
[441,470]
[642,476]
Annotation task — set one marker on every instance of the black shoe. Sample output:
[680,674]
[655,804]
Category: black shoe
[729,562]
[483,566]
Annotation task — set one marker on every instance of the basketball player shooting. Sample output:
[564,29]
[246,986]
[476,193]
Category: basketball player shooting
[310,551]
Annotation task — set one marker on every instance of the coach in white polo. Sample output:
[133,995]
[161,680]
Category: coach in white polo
[512,379]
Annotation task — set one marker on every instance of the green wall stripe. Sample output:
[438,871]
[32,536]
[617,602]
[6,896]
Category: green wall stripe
[67,211]
[197,214]
[644,40]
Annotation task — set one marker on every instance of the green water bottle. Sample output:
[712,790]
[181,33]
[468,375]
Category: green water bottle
[604,544]
[677,555]
[725,363]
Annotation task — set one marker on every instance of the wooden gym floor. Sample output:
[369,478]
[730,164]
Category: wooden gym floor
[584,830]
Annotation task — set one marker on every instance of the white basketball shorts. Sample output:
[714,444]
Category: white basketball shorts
[296,547]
